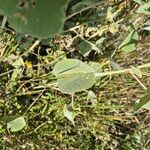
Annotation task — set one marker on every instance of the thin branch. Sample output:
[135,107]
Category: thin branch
[136,78]
[5,73]
[120,71]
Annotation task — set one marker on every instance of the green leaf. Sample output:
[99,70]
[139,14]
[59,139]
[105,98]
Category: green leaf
[38,18]
[147,28]
[147,105]
[92,97]
[17,124]
[144,9]
[96,66]
[18,63]
[136,71]
[85,47]
[68,113]
[73,76]
[143,103]
[139,1]
[129,44]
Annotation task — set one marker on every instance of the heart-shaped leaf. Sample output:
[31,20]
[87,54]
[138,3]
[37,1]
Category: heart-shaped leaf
[73,76]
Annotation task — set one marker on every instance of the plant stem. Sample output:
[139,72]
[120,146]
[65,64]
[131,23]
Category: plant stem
[120,71]
[136,78]
[5,73]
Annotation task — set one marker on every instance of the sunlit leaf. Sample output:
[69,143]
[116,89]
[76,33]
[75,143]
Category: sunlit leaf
[68,113]
[92,97]
[136,71]
[73,75]
[85,47]
[129,44]
[144,9]
[139,1]
[17,124]
[147,105]
[143,103]
[96,66]
[147,28]
[18,63]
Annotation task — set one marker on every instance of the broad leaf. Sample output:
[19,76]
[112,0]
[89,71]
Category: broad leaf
[129,44]
[17,124]
[38,18]
[73,76]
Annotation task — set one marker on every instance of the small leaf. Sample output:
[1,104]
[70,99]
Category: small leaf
[18,63]
[68,113]
[73,76]
[17,124]
[136,71]
[100,41]
[92,97]
[85,47]
[147,105]
[129,44]
[143,103]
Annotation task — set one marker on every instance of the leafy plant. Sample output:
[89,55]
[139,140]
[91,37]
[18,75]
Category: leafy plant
[41,19]
[35,75]
[73,76]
